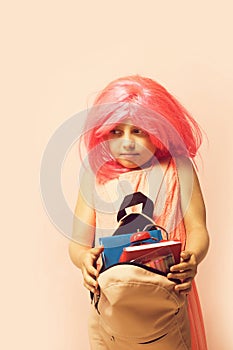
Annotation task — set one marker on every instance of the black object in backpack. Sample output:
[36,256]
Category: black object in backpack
[133,222]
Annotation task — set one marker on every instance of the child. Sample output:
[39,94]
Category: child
[140,139]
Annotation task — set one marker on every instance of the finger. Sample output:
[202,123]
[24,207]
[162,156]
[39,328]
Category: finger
[90,288]
[184,275]
[180,267]
[91,270]
[185,285]
[89,265]
[99,264]
[89,277]
[97,251]
[90,282]
[184,288]
[185,255]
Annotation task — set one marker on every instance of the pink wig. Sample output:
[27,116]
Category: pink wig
[149,106]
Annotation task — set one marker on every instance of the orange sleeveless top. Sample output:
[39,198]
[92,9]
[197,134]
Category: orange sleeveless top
[161,184]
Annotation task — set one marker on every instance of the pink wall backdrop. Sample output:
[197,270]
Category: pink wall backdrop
[55,57]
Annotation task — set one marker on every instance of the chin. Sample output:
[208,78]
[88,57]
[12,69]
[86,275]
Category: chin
[128,164]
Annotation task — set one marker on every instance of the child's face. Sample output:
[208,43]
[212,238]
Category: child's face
[130,145]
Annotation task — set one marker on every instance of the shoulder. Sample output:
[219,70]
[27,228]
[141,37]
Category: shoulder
[190,188]
[175,162]
[185,169]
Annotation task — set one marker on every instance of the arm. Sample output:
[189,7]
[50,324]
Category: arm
[197,241]
[83,255]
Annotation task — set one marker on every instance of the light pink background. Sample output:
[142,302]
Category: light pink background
[55,57]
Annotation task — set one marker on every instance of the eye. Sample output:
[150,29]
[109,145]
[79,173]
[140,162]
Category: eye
[115,132]
[139,131]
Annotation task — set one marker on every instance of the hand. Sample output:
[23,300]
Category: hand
[90,268]
[185,271]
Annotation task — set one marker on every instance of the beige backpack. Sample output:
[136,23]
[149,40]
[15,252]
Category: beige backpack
[139,309]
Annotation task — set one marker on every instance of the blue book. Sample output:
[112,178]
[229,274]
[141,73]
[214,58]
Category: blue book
[113,246]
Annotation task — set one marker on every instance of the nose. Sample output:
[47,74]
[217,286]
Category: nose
[128,143]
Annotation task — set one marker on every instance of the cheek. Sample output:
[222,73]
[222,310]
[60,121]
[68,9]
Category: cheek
[151,146]
[152,149]
[148,147]
[113,146]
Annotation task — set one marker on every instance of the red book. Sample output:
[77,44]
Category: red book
[145,253]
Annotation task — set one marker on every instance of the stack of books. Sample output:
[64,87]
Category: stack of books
[160,255]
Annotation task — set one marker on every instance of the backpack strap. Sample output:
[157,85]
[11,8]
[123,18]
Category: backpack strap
[133,199]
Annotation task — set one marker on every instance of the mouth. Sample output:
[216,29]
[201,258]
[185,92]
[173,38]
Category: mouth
[129,154]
